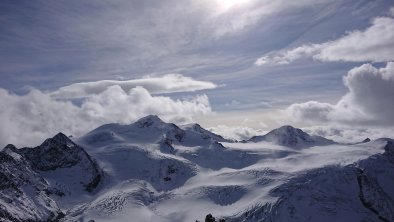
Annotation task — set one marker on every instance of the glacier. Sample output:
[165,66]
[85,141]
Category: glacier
[151,170]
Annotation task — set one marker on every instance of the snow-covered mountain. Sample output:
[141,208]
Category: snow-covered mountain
[64,164]
[24,194]
[151,170]
[32,179]
[362,191]
[291,137]
[149,130]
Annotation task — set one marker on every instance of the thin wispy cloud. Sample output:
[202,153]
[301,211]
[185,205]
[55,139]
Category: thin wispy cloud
[129,38]
[77,52]
[374,44]
[169,83]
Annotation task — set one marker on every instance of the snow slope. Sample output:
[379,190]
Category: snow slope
[156,171]
[362,191]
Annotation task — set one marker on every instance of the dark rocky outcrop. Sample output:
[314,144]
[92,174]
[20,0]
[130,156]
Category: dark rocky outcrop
[24,187]
[61,152]
[22,190]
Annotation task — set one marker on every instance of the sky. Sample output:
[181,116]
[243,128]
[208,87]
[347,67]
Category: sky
[237,67]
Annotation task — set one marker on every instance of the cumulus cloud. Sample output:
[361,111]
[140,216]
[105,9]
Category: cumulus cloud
[311,111]
[169,83]
[374,44]
[236,132]
[30,118]
[368,102]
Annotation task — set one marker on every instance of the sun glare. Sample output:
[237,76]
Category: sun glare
[227,4]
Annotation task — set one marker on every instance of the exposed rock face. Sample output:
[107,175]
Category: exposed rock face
[60,152]
[26,187]
[54,153]
[23,192]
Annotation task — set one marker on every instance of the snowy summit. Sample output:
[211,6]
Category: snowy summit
[151,170]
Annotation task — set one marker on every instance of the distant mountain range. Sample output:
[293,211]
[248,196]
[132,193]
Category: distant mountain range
[151,170]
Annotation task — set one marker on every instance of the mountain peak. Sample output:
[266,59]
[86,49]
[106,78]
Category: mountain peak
[196,127]
[61,152]
[61,137]
[10,147]
[58,139]
[203,133]
[149,120]
[290,136]
[288,129]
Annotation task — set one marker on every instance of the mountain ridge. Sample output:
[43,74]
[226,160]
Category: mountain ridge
[151,170]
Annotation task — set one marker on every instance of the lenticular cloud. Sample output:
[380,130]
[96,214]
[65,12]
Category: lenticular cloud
[169,83]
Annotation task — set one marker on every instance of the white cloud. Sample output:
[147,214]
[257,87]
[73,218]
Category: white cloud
[236,132]
[391,11]
[368,102]
[289,56]
[169,83]
[349,134]
[311,111]
[30,118]
[373,44]
[248,13]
